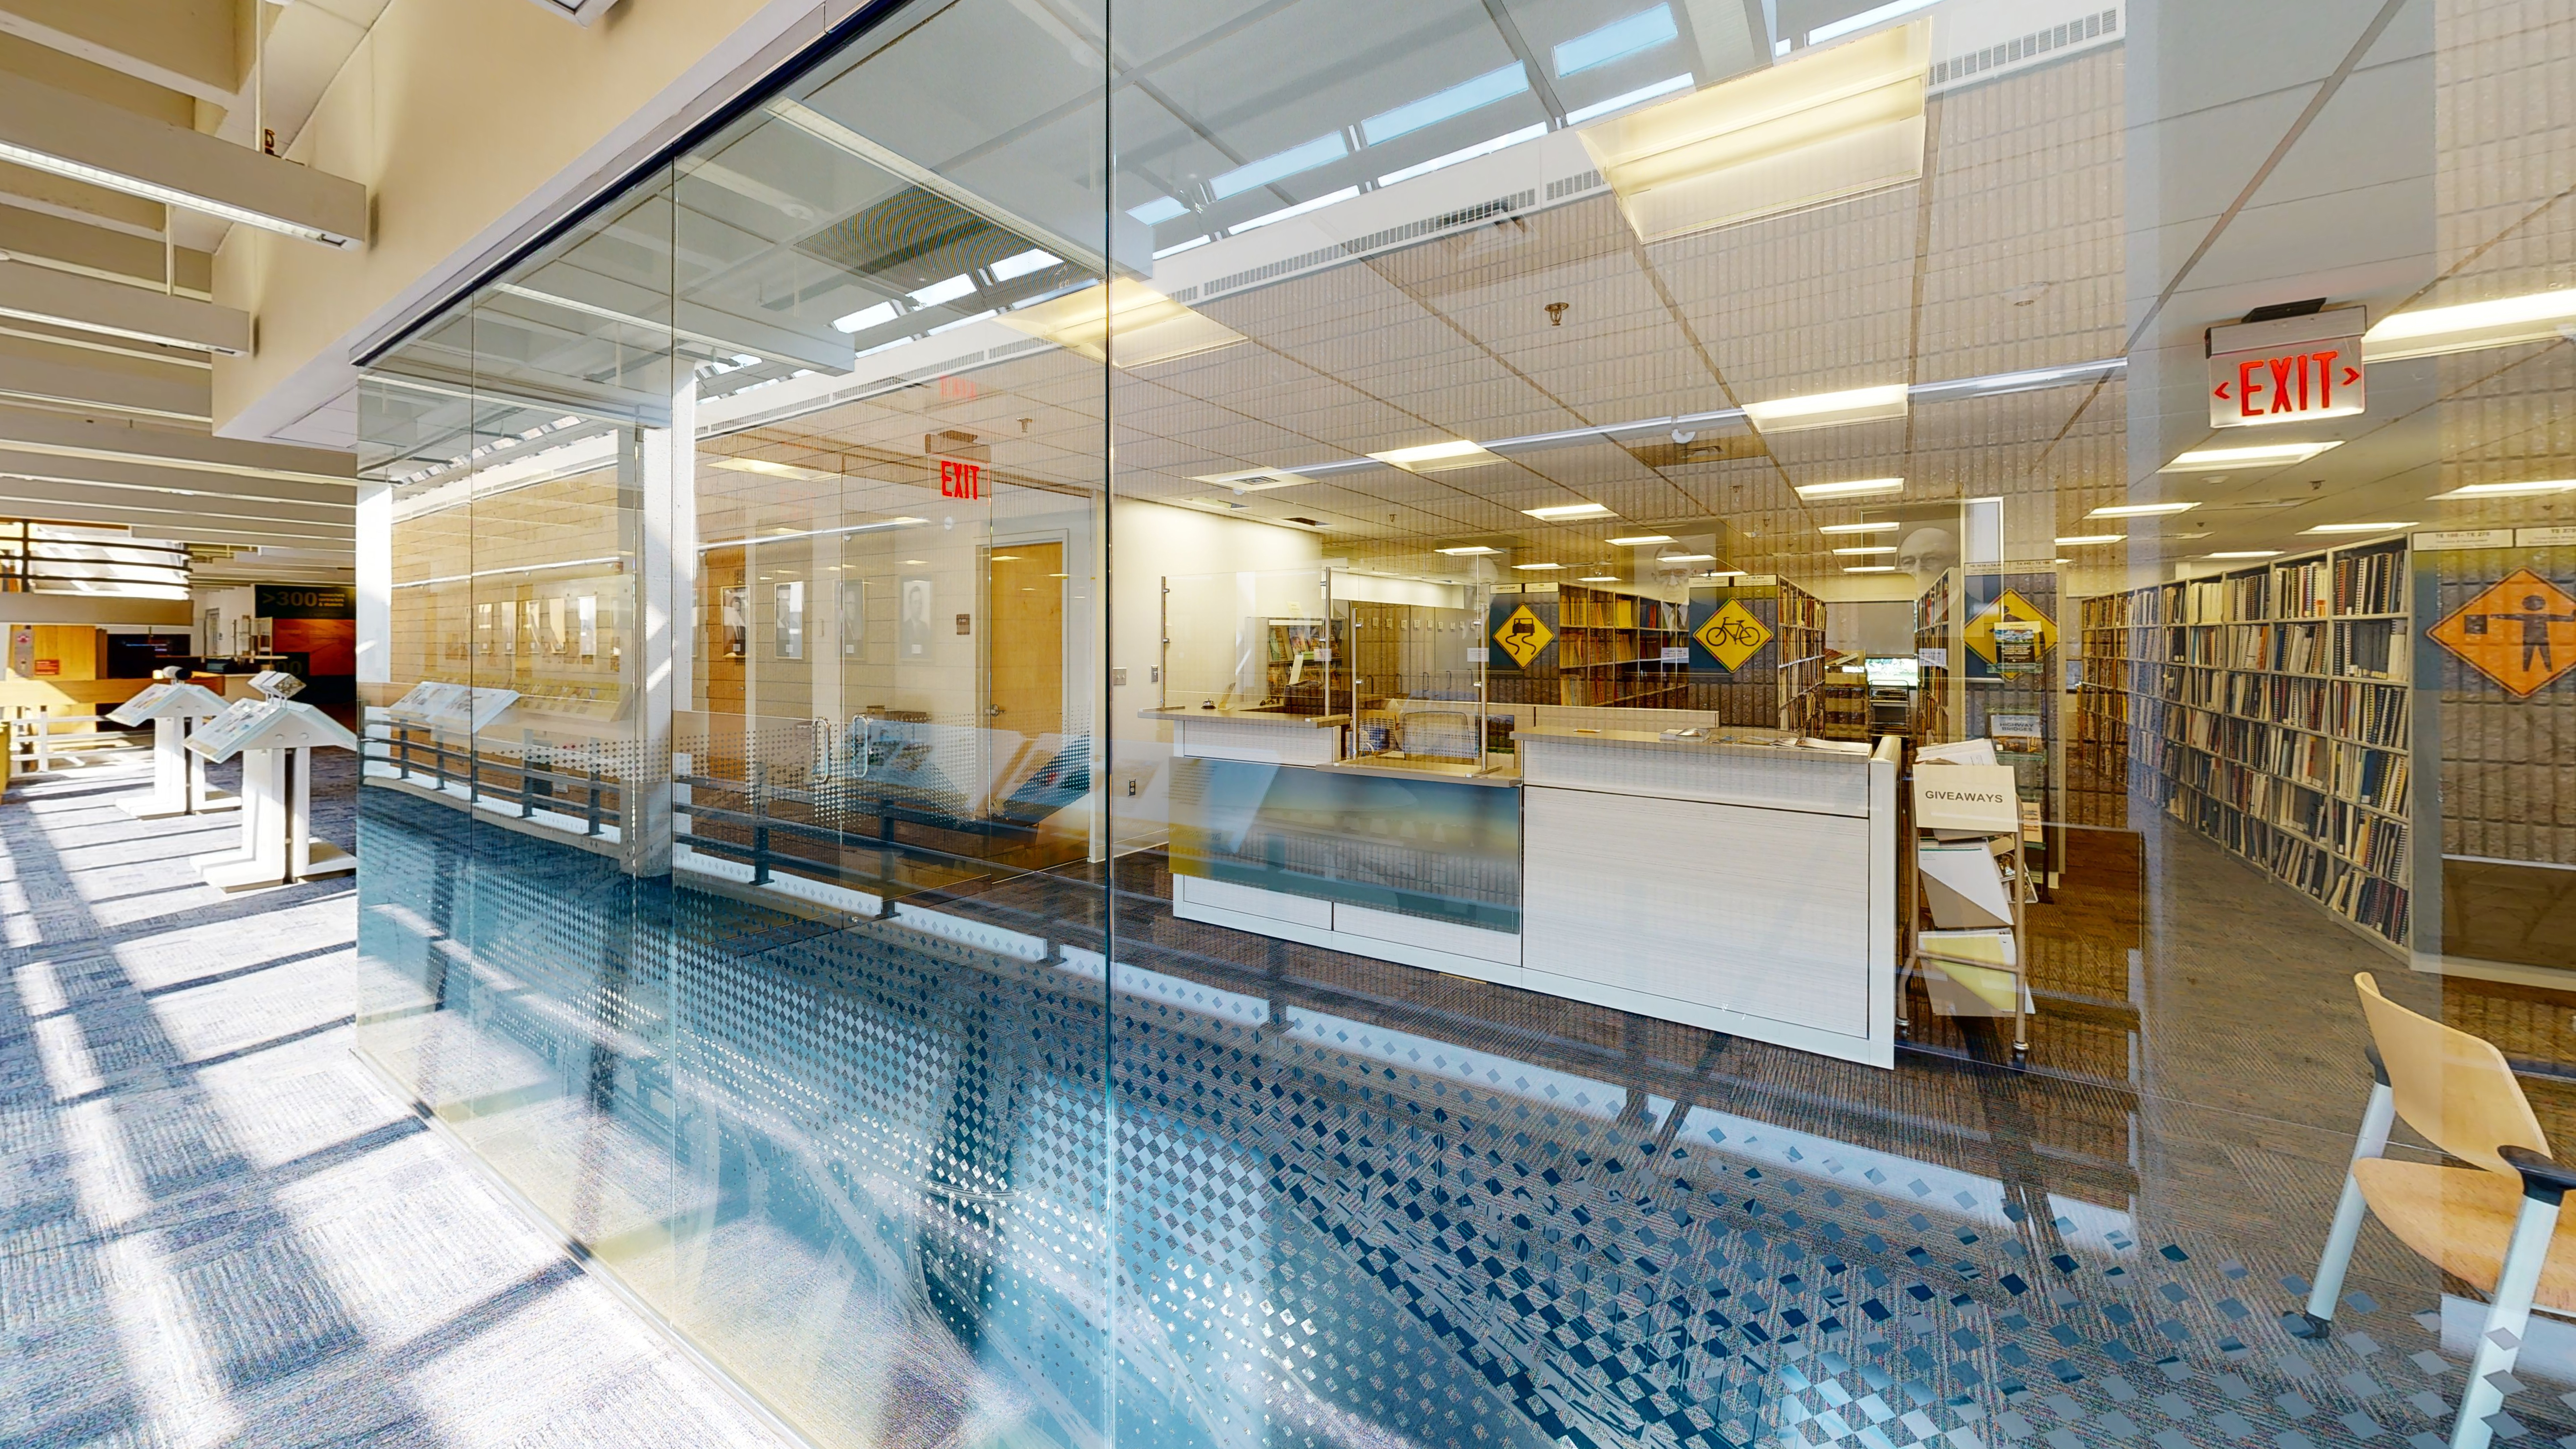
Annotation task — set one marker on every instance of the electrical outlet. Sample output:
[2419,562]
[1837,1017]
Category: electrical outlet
[1132,784]
[1117,679]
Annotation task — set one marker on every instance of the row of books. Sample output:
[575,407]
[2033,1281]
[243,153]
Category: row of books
[2366,895]
[2372,582]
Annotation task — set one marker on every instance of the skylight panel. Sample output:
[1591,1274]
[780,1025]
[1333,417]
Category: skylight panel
[1467,153]
[1458,100]
[1160,209]
[1642,31]
[867,317]
[1033,260]
[1283,163]
[1300,209]
[1639,96]
[947,291]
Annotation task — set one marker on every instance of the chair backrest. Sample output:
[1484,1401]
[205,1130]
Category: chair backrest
[2450,1086]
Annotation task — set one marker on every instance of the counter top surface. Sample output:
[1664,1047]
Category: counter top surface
[1455,770]
[1250,716]
[1651,739]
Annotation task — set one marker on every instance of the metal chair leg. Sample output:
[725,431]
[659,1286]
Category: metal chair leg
[2508,1318]
[2349,1210]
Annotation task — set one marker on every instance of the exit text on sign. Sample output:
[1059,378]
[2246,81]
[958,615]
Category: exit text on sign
[2287,369]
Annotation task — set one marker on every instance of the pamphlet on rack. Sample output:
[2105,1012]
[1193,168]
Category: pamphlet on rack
[458,708]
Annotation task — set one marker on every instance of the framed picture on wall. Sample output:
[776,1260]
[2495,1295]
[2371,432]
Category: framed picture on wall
[912,634]
[854,620]
[787,618]
[732,621]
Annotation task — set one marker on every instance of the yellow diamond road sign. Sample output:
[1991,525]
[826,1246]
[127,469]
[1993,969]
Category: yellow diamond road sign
[2009,608]
[1733,635]
[1523,635]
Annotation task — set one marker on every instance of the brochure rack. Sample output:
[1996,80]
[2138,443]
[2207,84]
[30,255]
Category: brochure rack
[1972,881]
[276,739]
[178,778]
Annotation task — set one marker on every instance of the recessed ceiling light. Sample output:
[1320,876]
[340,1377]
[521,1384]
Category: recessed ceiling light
[1640,540]
[2496,490]
[2072,539]
[1828,409]
[1132,326]
[1867,549]
[1433,457]
[2432,331]
[1538,566]
[2218,460]
[1860,528]
[1563,511]
[2141,510]
[2245,553]
[2359,527]
[1006,558]
[1600,579]
[1686,558]
[1870,569]
[1473,548]
[768,469]
[1722,574]
[1857,488]
[1252,480]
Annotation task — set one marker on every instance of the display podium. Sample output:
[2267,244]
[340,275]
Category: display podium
[275,739]
[178,777]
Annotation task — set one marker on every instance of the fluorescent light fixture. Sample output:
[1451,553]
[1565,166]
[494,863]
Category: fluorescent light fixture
[2505,490]
[1538,566]
[818,533]
[2141,510]
[1158,210]
[1457,100]
[2074,540]
[1581,115]
[1827,124]
[1867,548]
[2433,331]
[1036,259]
[1600,579]
[1465,153]
[947,291]
[1434,457]
[172,195]
[1563,511]
[1176,248]
[1678,558]
[1857,488]
[1828,409]
[2245,553]
[1854,24]
[2360,527]
[1300,209]
[1870,569]
[1127,323]
[767,469]
[1617,40]
[1860,528]
[867,317]
[1640,540]
[1467,551]
[1280,164]
[2269,455]
[1721,573]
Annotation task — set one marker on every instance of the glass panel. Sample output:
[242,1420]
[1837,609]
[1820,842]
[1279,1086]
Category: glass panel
[1769,669]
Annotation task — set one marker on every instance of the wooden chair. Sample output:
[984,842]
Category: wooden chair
[2493,1224]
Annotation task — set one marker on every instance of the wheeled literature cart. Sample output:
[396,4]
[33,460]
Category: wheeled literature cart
[1972,881]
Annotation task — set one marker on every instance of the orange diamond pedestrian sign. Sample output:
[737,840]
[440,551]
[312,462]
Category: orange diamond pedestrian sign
[2521,633]
[1523,635]
[1733,635]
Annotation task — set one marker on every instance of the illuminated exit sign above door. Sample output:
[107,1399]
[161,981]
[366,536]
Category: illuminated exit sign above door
[2286,369]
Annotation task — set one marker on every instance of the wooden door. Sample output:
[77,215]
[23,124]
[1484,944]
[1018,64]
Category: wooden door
[1027,643]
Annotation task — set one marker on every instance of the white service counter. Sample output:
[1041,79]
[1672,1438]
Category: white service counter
[1745,888]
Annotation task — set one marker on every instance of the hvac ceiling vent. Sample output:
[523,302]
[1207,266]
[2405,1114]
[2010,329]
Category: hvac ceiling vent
[579,12]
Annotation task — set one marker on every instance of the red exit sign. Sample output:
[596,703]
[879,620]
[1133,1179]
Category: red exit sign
[2287,369]
[960,479]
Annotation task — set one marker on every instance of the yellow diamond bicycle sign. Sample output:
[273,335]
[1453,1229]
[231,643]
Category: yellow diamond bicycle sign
[1523,635]
[1733,635]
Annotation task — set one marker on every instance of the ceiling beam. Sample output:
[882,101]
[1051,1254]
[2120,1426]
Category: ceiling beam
[177,482]
[66,299]
[86,140]
[160,524]
[51,433]
[182,398]
[85,496]
[189,46]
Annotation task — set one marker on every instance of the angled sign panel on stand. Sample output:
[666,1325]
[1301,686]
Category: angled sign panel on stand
[276,739]
[178,778]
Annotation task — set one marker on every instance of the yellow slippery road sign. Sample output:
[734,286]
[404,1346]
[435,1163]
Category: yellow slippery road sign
[1733,635]
[1523,635]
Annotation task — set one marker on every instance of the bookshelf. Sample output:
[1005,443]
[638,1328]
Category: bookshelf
[1610,649]
[1779,687]
[2267,708]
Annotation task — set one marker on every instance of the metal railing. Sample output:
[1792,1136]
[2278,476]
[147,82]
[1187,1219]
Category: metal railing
[533,787]
[106,565]
[35,744]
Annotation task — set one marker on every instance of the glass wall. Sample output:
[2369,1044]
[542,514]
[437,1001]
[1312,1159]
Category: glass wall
[1536,722]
